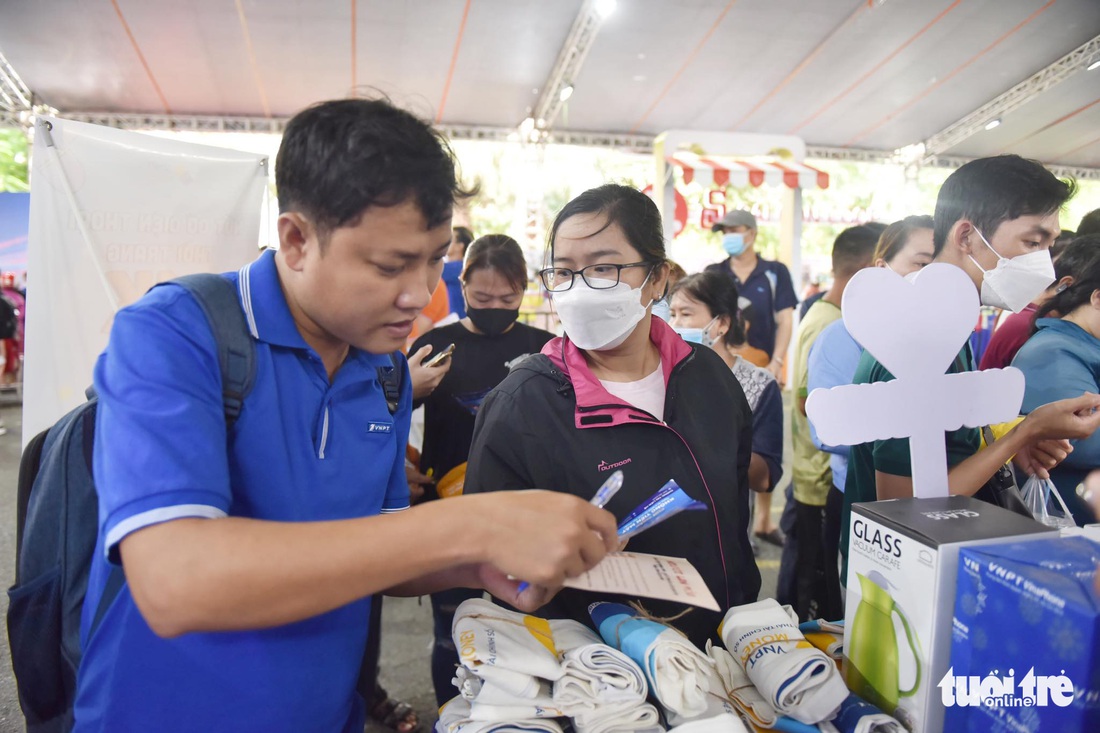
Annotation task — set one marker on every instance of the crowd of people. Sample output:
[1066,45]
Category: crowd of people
[277,535]
[13,318]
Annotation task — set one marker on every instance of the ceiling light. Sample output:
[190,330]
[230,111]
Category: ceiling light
[605,7]
[566,92]
[1093,65]
[993,123]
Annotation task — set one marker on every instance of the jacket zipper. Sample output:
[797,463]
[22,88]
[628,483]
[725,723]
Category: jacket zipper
[699,470]
[713,507]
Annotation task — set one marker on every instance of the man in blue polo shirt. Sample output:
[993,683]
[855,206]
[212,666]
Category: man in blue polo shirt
[767,286]
[250,558]
[765,283]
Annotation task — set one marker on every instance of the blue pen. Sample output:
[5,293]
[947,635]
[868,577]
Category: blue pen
[609,488]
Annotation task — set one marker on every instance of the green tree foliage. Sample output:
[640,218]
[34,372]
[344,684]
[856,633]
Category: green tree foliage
[13,160]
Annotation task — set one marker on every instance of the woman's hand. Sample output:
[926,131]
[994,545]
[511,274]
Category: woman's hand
[424,378]
[1071,419]
[1038,458]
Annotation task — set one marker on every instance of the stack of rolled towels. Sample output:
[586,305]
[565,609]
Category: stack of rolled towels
[520,672]
[524,674]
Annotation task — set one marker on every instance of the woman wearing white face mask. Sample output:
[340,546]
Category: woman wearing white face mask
[704,310]
[622,391]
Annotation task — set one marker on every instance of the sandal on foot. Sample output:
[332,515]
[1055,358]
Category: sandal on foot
[393,714]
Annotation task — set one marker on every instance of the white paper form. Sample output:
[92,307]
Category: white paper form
[648,576]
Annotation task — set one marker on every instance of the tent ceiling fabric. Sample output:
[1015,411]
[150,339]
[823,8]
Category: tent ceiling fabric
[876,74]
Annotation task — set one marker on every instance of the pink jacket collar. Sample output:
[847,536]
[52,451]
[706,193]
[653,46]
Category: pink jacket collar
[596,407]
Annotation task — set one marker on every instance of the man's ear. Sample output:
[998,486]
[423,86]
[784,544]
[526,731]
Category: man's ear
[296,236]
[962,236]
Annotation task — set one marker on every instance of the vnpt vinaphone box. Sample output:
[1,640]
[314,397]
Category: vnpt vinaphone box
[902,561]
[1025,652]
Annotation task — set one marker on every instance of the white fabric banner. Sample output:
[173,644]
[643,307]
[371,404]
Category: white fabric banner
[114,212]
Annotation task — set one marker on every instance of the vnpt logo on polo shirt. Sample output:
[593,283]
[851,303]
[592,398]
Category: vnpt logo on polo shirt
[380,427]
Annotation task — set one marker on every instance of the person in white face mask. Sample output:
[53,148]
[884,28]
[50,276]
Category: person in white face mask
[996,219]
[622,391]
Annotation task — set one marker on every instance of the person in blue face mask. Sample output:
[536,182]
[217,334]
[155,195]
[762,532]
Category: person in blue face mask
[768,288]
[704,311]
[766,284]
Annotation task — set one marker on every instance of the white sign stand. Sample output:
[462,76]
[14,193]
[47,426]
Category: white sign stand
[915,329]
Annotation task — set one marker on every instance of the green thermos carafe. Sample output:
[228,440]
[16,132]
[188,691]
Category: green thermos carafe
[873,646]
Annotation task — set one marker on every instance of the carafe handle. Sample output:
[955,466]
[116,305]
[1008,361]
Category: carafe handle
[913,647]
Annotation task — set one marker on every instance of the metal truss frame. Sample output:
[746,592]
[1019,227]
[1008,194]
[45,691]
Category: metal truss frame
[640,144]
[568,64]
[1073,62]
[14,94]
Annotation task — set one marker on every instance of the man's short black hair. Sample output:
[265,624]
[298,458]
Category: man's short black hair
[990,191]
[339,158]
[463,235]
[1090,223]
[854,247]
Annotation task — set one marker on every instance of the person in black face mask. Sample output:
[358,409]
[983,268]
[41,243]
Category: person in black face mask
[487,342]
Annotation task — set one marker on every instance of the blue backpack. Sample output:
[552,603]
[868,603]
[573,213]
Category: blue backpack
[57,518]
[57,524]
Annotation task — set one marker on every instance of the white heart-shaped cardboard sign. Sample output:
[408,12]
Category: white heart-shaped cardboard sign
[913,328]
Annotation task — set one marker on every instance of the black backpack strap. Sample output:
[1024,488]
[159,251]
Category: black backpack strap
[28,471]
[390,379]
[237,358]
[236,350]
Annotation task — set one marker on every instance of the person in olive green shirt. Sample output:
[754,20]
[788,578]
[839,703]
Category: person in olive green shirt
[808,578]
[989,212]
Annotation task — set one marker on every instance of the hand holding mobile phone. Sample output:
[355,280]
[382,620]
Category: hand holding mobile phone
[438,358]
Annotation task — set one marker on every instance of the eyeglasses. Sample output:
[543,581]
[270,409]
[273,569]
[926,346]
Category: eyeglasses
[603,276]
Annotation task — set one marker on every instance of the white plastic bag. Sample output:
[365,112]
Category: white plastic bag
[1045,503]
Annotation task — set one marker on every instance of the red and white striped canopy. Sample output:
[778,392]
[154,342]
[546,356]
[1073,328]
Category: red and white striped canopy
[737,172]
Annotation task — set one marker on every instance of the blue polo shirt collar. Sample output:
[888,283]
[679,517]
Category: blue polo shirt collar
[760,269]
[268,315]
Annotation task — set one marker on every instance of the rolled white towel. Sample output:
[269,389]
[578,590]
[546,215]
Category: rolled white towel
[723,723]
[527,710]
[604,691]
[633,717]
[740,689]
[678,673]
[718,704]
[486,692]
[797,679]
[490,638]
[454,717]
[596,675]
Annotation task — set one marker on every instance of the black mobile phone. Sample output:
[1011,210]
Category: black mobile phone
[440,356]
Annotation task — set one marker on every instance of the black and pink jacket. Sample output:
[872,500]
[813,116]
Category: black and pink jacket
[551,425]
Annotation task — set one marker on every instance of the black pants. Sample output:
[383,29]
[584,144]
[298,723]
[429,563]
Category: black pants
[444,654]
[809,579]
